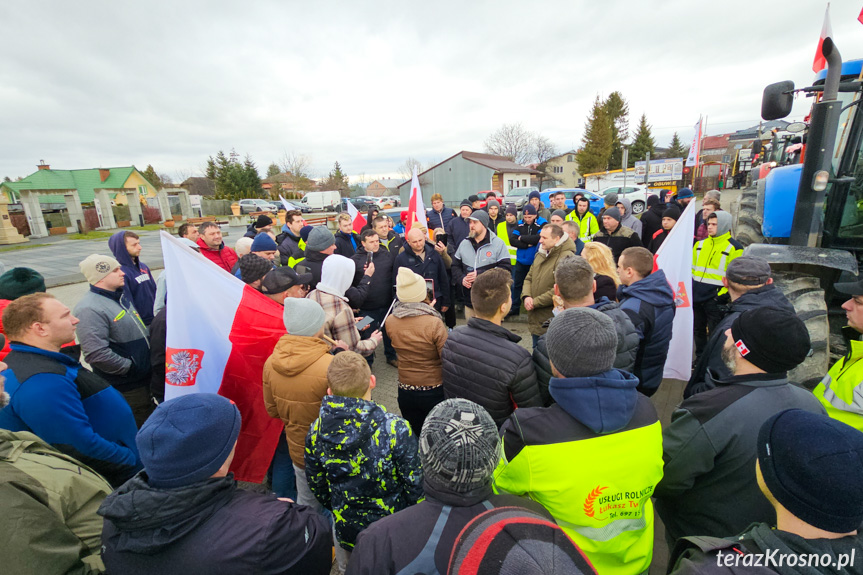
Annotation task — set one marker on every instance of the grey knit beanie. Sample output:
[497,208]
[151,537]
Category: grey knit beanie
[581,342]
[320,239]
[459,446]
[303,316]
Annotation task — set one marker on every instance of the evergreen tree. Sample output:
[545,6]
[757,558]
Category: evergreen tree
[211,168]
[595,150]
[642,143]
[617,110]
[234,179]
[251,180]
[273,170]
[151,176]
[337,180]
[676,149]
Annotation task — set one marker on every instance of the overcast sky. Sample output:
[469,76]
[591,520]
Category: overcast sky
[108,83]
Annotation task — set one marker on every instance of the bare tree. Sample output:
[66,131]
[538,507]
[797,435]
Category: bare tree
[406,169]
[519,145]
[296,164]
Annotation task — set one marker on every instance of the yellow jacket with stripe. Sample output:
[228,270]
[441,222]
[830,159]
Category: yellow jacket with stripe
[591,465]
[710,259]
[502,232]
[841,390]
[588,226]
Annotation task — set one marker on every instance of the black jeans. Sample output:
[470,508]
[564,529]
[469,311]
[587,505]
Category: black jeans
[416,405]
[706,316]
[518,283]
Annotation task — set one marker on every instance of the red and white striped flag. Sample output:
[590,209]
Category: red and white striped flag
[416,207]
[220,333]
[674,258]
[820,61]
[356,217]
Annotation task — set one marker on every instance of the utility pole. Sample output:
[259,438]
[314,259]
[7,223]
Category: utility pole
[647,169]
[625,163]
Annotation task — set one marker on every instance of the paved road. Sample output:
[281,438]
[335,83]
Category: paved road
[58,261]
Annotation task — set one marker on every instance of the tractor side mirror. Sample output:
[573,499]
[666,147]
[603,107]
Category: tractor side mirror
[777,100]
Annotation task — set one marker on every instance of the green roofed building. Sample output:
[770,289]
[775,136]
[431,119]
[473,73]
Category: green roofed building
[86,182]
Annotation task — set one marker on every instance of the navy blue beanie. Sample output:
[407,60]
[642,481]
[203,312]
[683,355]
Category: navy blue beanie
[187,439]
[264,243]
[813,466]
[534,194]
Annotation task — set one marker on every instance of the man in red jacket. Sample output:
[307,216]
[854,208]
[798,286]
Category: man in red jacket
[214,249]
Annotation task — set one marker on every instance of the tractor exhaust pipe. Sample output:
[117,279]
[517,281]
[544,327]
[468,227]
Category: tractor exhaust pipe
[834,69]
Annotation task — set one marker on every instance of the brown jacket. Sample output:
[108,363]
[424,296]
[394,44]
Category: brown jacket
[539,284]
[418,335]
[295,382]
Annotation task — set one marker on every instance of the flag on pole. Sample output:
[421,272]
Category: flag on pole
[820,61]
[218,344]
[695,148]
[674,258]
[860,17]
[356,217]
[416,208]
[287,205]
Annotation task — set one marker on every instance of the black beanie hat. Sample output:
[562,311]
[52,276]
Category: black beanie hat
[19,282]
[672,212]
[507,540]
[253,268]
[652,200]
[465,203]
[263,221]
[771,339]
[813,466]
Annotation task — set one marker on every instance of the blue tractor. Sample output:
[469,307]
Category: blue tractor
[806,219]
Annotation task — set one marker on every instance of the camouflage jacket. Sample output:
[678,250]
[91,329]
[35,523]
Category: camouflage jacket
[362,463]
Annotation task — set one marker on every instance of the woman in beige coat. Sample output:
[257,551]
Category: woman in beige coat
[418,334]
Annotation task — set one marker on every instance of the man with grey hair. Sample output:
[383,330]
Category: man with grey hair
[459,448]
[750,286]
[573,230]
[574,284]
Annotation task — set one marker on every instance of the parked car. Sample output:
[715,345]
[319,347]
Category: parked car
[248,206]
[362,206]
[485,196]
[518,196]
[545,196]
[323,200]
[637,195]
[294,206]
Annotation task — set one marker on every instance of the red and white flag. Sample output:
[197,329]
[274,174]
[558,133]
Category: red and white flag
[220,333]
[416,207]
[356,217]
[674,258]
[860,17]
[695,148]
[820,61]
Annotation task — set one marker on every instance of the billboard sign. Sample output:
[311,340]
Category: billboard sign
[660,170]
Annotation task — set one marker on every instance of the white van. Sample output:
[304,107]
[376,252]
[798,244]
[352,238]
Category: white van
[327,200]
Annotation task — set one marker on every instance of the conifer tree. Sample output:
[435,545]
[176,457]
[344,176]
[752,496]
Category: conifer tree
[596,143]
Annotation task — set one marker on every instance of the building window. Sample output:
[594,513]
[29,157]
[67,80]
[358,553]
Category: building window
[570,158]
[524,183]
[509,183]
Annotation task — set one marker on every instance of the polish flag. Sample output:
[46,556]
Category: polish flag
[860,17]
[695,148]
[416,208]
[220,333]
[674,258]
[820,61]
[356,217]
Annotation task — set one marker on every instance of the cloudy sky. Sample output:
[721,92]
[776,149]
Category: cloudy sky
[105,83]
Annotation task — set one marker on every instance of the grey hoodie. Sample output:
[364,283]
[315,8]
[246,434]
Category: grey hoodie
[628,219]
[723,222]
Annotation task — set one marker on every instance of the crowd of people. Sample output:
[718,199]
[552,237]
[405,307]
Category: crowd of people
[506,458]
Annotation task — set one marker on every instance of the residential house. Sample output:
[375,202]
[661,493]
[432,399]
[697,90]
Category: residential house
[383,187]
[564,170]
[199,186]
[117,181]
[467,173]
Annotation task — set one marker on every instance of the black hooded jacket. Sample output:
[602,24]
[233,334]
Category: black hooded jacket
[380,290]
[210,527]
[651,220]
[711,359]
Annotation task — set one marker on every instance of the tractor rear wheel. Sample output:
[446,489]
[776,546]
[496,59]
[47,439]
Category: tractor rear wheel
[748,228]
[805,294]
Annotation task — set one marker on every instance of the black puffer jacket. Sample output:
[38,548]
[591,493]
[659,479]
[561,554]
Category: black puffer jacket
[210,527]
[651,220]
[766,296]
[347,244]
[484,363]
[314,264]
[380,291]
[627,346]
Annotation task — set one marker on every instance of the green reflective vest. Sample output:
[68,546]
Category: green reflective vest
[710,259]
[598,491]
[503,234]
[588,226]
[292,261]
[841,390]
